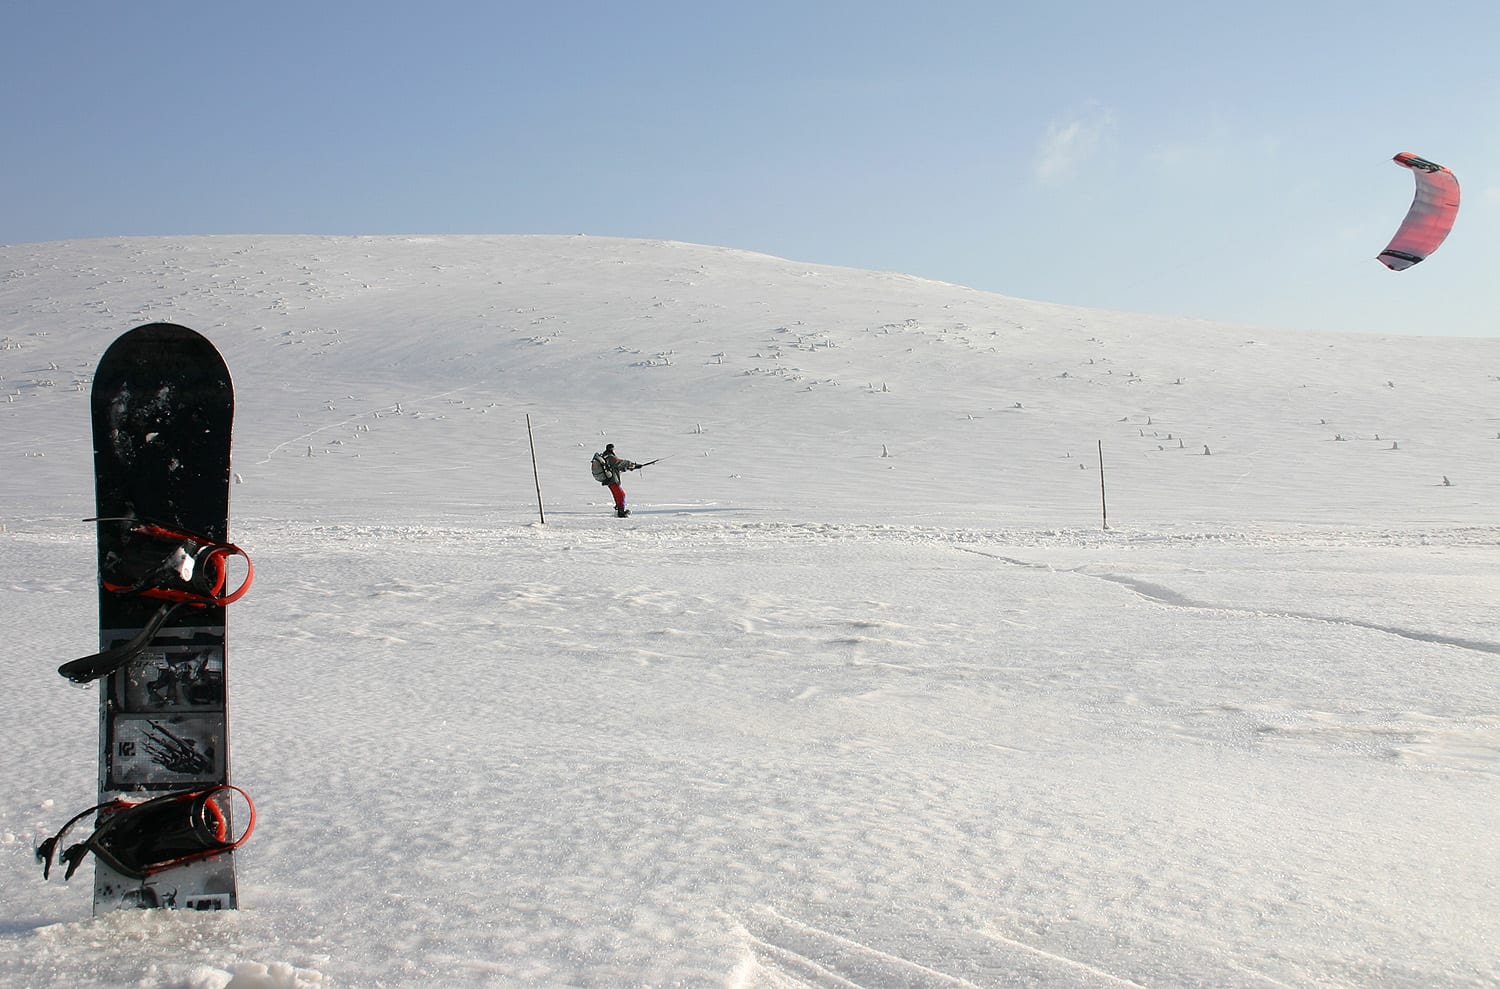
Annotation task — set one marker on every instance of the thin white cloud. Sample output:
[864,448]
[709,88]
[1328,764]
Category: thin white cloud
[1071,141]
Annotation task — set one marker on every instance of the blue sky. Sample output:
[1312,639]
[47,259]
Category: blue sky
[1230,162]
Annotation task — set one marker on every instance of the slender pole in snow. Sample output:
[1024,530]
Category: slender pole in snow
[540,514]
[1103,504]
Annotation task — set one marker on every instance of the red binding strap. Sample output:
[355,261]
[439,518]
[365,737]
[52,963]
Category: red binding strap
[213,559]
[221,823]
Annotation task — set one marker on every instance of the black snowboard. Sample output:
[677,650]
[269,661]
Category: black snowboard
[163,406]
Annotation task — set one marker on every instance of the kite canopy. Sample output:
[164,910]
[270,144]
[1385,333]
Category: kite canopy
[1431,215]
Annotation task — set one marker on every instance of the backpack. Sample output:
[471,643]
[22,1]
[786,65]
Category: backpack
[601,470]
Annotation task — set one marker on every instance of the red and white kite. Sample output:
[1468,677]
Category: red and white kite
[1431,215]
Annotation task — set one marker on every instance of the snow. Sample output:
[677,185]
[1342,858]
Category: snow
[863,692]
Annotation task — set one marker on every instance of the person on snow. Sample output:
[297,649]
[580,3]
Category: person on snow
[607,468]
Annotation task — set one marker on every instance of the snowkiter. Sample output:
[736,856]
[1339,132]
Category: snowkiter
[607,470]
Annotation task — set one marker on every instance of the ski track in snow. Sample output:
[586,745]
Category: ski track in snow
[1167,596]
[821,958]
[785,951]
[348,421]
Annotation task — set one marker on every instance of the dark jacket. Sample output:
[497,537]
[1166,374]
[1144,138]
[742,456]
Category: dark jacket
[608,467]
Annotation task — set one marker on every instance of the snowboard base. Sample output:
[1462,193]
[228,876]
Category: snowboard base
[205,885]
[163,729]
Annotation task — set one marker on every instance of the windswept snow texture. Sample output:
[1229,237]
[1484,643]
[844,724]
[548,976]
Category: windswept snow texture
[862,694]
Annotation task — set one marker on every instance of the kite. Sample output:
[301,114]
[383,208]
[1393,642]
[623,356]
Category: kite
[1430,217]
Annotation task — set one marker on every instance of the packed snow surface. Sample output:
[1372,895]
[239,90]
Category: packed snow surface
[864,692]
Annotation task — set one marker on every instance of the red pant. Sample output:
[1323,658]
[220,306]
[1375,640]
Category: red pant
[619,494]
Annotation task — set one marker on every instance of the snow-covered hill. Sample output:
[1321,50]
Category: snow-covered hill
[863,693]
[776,387]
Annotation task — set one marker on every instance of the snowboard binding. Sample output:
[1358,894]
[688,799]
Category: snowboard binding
[176,568]
[156,562]
[141,838]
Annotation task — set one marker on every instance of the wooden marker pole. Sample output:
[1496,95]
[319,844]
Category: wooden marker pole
[536,476]
[1103,503]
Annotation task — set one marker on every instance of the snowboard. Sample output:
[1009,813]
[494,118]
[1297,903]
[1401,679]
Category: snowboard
[162,406]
